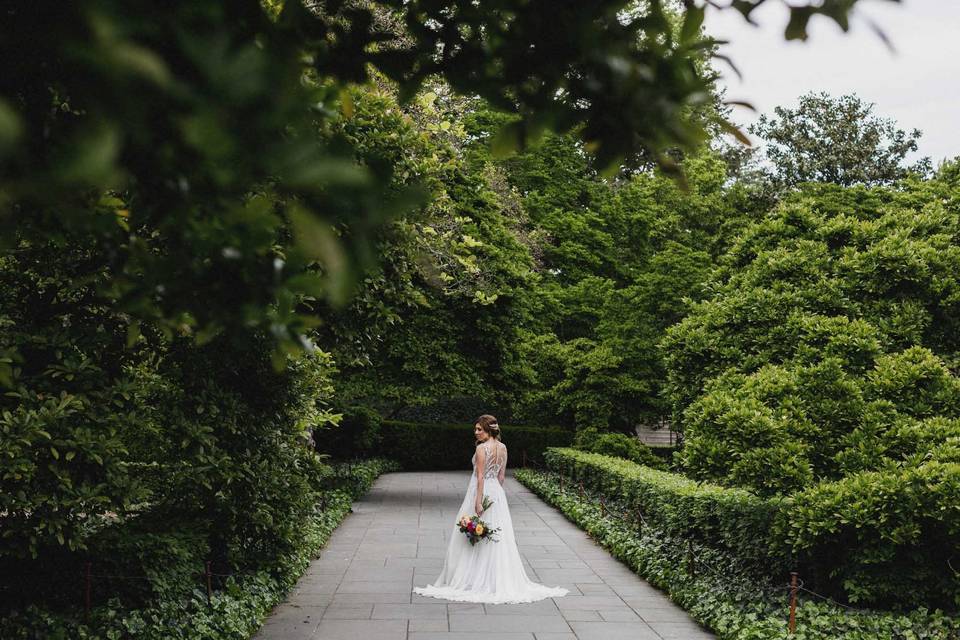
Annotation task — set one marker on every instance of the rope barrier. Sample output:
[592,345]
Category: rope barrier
[828,599]
[112,576]
[206,575]
[339,471]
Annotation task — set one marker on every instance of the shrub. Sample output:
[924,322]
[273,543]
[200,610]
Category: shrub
[876,537]
[891,535]
[618,445]
[451,446]
[837,299]
[68,401]
[731,520]
[449,408]
[735,606]
[358,434]
[823,365]
[178,607]
[103,418]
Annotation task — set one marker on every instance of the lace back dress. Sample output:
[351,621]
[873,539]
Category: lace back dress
[489,571]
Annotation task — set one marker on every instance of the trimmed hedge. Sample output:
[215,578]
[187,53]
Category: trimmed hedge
[892,536]
[841,536]
[450,446]
[735,606]
[236,609]
[357,435]
[664,452]
[734,521]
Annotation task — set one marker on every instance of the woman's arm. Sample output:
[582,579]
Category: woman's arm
[503,467]
[481,463]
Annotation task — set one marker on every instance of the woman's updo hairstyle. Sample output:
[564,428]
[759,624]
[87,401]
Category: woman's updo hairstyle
[489,424]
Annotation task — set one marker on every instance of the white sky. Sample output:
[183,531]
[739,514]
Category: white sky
[918,84]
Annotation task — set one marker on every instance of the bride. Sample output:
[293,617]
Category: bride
[490,571]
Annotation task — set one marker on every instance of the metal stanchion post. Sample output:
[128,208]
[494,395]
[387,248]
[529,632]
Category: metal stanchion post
[209,586]
[793,602]
[87,590]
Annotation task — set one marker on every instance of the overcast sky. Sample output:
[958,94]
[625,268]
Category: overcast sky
[918,84]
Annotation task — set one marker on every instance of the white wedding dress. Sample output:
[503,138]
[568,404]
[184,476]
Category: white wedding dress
[489,571]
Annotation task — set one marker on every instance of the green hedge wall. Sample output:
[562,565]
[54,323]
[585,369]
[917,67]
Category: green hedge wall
[173,603]
[735,606]
[450,446]
[840,536]
[731,520]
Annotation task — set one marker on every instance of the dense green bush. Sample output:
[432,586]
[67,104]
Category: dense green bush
[357,434]
[618,445]
[175,605]
[828,352]
[451,446]
[891,535]
[233,442]
[732,520]
[844,536]
[104,420]
[457,409]
[139,451]
[733,605]
[839,308]
[70,401]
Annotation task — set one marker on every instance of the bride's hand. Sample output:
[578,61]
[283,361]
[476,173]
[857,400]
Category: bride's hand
[478,508]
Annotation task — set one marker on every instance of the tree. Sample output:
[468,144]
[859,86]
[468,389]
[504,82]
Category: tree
[181,111]
[434,318]
[838,140]
[624,257]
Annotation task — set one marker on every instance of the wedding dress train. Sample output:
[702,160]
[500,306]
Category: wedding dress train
[489,571]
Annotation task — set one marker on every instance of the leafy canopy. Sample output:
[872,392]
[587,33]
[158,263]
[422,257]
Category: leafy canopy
[838,140]
[181,111]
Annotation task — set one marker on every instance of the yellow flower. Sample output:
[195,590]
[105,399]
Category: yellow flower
[479,529]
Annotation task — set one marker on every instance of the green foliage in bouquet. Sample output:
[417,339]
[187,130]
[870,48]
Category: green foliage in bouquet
[475,529]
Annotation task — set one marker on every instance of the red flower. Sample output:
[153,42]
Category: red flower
[472,525]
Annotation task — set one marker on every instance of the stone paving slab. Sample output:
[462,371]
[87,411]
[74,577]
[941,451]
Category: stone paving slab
[361,587]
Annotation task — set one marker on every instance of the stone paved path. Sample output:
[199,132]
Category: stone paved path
[361,587]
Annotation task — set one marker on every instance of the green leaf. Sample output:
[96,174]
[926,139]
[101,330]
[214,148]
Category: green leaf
[133,333]
[317,239]
[797,26]
[735,131]
[140,61]
[692,21]
[89,158]
[10,127]
[507,140]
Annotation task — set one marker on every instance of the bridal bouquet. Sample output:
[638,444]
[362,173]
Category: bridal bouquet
[476,529]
